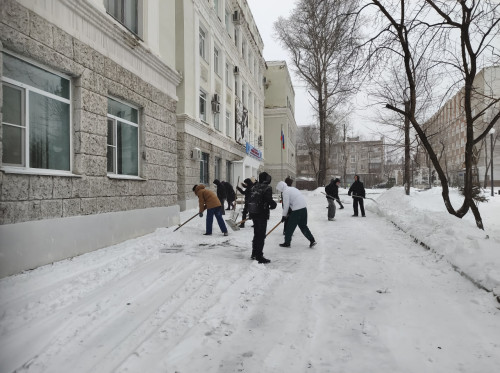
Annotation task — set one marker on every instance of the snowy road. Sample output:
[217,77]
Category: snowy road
[365,299]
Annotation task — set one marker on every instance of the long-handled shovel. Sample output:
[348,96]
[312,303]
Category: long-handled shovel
[236,226]
[187,221]
[276,226]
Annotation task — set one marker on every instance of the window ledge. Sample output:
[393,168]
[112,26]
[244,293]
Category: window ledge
[126,177]
[36,171]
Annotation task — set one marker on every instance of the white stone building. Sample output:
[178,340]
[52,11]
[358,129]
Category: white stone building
[280,126]
[88,137]
[220,116]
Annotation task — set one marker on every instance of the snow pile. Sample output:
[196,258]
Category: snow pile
[422,214]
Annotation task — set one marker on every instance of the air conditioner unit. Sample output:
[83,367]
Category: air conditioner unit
[216,98]
[196,154]
[236,16]
[215,107]
[236,70]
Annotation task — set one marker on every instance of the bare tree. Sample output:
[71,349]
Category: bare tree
[436,39]
[320,37]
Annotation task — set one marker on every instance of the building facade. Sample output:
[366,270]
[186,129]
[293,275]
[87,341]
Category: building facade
[88,135]
[446,132]
[220,113]
[280,127]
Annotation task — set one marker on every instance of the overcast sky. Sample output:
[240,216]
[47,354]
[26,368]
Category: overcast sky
[265,13]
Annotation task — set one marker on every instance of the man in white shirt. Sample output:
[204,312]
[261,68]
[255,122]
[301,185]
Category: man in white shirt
[293,199]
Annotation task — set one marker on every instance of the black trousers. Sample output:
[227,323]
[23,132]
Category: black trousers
[355,201]
[259,236]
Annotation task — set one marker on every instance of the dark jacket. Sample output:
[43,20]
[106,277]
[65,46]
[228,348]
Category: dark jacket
[267,196]
[332,189]
[247,184]
[357,189]
[221,190]
[230,195]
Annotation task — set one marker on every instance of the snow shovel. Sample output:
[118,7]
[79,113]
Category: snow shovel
[335,199]
[276,226]
[187,221]
[371,199]
[236,226]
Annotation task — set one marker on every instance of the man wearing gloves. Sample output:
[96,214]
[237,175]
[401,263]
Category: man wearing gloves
[293,199]
[332,195]
[208,200]
[357,190]
[259,204]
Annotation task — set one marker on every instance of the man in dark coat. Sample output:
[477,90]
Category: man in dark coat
[230,195]
[332,195]
[221,194]
[261,217]
[247,184]
[357,190]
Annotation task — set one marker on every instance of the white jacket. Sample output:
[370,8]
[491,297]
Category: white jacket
[292,198]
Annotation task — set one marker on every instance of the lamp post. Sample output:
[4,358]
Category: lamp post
[492,131]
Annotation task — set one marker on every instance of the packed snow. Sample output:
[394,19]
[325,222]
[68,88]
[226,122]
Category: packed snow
[409,288]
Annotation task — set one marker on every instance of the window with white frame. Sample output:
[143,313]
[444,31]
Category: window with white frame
[217,121]
[36,121]
[126,12]
[227,20]
[216,8]
[228,123]
[204,168]
[217,167]
[203,106]
[228,75]
[216,60]
[201,44]
[353,158]
[123,139]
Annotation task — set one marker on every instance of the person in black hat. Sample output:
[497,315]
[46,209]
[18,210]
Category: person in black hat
[357,190]
[332,195]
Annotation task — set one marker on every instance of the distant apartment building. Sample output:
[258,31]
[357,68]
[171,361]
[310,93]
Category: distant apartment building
[280,126]
[220,113]
[344,159]
[446,131]
[88,138]
[358,157]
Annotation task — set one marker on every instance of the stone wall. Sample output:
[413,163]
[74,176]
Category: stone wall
[28,197]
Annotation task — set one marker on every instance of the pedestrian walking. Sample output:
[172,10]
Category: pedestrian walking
[259,204]
[293,199]
[221,194]
[357,190]
[247,184]
[332,195]
[230,195]
[209,201]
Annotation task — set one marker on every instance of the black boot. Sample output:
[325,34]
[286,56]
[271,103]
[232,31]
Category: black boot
[263,260]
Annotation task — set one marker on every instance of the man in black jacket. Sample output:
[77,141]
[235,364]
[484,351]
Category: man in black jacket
[221,194]
[263,191]
[357,190]
[230,195]
[332,195]
[247,184]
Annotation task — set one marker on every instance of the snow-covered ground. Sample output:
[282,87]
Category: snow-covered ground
[367,298]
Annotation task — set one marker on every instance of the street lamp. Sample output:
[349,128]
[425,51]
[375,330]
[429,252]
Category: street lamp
[492,131]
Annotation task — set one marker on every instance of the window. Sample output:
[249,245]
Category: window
[216,7]
[217,165]
[202,44]
[36,117]
[227,20]
[203,106]
[353,158]
[228,123]
[204,168]
[228,75]
[123,139]
[126,12]
[216,61]
[217,121]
